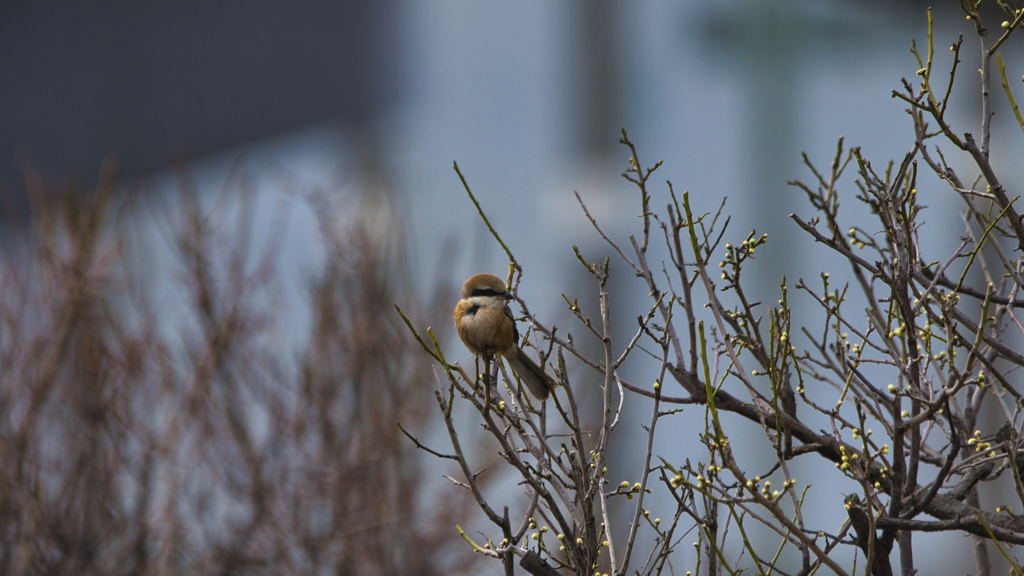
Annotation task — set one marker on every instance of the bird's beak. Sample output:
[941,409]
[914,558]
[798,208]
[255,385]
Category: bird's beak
[507,296]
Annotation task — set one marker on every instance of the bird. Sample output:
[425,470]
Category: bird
[487,328]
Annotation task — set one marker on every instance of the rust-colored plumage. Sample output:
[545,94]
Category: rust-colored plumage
[487,328]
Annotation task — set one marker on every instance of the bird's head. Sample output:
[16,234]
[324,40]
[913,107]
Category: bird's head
[484,286]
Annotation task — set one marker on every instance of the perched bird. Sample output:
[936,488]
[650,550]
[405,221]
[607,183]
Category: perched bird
[486,326]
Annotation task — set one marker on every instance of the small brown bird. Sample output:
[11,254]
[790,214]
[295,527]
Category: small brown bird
[487,327]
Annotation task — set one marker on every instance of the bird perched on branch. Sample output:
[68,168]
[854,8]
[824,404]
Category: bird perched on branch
[486,326]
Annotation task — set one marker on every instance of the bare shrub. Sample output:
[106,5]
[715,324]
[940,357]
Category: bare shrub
[886,386]
[138,438]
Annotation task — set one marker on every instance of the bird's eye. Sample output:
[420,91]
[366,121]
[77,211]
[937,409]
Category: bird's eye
[484,292]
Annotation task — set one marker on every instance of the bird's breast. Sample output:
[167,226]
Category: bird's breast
[487,330]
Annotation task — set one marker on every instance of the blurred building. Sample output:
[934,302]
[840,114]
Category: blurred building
[151,82]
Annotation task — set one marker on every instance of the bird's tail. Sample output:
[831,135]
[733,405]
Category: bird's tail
[539,383]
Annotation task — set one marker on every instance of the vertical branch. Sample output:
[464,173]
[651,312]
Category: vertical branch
[986,82]
[655,414]
[601,274]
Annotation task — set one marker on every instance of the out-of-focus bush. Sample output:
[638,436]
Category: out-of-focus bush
[136,441]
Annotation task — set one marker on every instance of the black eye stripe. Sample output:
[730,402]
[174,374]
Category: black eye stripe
[484,292]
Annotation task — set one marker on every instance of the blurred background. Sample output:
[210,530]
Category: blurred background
[310,146]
